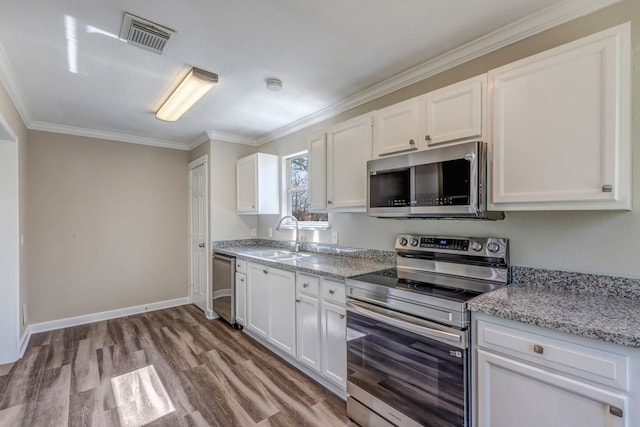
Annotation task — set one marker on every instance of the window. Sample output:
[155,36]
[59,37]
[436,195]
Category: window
[297,182]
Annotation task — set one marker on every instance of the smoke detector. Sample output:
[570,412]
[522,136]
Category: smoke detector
[274,85]
[145,34]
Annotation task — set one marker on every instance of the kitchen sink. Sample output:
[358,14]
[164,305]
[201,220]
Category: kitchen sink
[278,255]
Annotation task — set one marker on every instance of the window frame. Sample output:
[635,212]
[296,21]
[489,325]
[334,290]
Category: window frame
[286,207]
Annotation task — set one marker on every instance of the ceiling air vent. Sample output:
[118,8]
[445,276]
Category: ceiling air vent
[145,34]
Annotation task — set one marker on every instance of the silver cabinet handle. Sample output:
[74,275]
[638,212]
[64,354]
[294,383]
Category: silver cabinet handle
[329,202]
[615,411]
[201,245]
[427,138]
[412,142]
[538,349]
[305,285]
[331,292]
[298,300]
[607,188]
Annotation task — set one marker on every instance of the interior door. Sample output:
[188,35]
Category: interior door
[198,233]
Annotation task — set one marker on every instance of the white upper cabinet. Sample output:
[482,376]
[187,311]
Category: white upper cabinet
[349,146]
[318,172]
[257,184]
[454,113]
[396,129]
[561,127]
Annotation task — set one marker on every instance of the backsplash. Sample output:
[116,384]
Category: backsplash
[578,283]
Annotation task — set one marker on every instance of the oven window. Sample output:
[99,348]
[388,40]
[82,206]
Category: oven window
[389,189]
[420,377]
[443,184]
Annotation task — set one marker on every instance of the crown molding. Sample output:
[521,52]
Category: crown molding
[114,136]
[228,137]
[198,141]
[516,31]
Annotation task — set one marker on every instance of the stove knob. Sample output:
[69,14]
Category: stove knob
[476,246]
[403,241]
[493,247]
[414,242]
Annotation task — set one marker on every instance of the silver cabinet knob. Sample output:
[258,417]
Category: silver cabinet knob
[331,292]
[201,245]
[412,142]
[342,316]
[538,349]
[427,138]
[615,411]
[298,300]
[329,202]
[305,285]
[242,279]
[265,271]
[607,188]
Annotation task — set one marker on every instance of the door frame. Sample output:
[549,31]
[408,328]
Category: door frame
[202,160]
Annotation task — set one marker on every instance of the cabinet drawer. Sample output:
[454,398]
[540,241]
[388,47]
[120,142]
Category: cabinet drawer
[241,266]
[584,362]
[308,285]
[333,291]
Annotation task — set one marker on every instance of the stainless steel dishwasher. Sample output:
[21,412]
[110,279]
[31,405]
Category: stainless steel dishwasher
[224,298]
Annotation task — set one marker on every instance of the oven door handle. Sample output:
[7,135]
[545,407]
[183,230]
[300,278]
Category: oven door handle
[418,326]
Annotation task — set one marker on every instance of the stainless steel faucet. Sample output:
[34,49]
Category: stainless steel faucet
[298,242]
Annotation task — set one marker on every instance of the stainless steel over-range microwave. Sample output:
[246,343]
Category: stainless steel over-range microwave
[447,182]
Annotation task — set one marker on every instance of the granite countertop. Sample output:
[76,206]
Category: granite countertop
[333,262]
[598,307]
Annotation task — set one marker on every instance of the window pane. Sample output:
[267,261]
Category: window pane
[299,167]
[299,202]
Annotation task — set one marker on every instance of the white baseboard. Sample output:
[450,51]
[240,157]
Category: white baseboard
[96,317]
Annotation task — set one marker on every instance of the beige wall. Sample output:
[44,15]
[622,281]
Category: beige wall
[594,242]
[107,225]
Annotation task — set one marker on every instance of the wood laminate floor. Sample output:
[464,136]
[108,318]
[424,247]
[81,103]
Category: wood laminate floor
[170,367]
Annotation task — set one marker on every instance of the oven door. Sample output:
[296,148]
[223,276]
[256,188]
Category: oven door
[406,370]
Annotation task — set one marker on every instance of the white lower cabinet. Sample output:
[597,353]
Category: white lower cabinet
[271,305]
[322,327]
[527,376]
[516,393]
[334,343]
[241,299]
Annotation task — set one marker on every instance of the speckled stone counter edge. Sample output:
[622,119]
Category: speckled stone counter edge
[342,251]
[577,283]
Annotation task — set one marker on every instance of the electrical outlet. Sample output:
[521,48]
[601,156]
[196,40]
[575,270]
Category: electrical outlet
[269,232]
[254,232]
[24,314]
[334,237]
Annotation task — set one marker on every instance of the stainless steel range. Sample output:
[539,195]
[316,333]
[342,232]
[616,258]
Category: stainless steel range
[408,330]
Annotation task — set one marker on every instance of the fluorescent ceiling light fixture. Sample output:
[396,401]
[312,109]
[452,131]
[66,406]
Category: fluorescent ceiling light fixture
[189,91]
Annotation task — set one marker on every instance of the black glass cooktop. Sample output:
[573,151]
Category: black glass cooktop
[389,278]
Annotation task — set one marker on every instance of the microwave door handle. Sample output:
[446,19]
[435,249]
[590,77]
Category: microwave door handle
[392,318]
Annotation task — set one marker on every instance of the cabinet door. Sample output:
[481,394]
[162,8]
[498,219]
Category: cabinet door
[454,113]
[560,125]
[511,393]
[282,309]
[247,184]
[396,129]
[258,299]
[348,149]
[334,343]
[308,328]
[318,173]
[241,299]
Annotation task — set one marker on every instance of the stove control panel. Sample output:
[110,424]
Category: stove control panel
[474,246]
